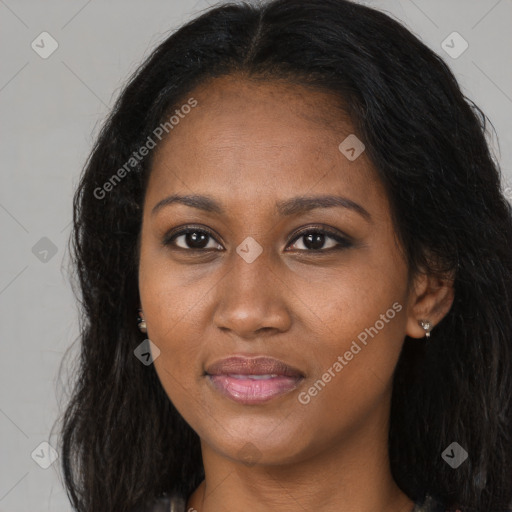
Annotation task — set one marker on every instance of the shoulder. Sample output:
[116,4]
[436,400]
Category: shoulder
[165,503]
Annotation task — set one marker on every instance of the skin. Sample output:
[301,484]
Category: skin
[249,145]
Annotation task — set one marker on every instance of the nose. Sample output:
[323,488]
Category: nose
[251,299]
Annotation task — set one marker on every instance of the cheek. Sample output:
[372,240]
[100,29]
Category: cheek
[170,307]
[364,324]
[170,292]
[358,325]
[369,292]
[352,372]
[172,315]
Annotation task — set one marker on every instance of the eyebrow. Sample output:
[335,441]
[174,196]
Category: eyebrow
[293,206]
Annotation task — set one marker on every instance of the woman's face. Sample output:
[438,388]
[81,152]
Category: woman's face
[250,281]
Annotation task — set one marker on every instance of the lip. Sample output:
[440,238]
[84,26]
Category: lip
[253,380]
[260,365]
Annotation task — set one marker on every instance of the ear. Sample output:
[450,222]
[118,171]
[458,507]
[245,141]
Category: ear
[430,299]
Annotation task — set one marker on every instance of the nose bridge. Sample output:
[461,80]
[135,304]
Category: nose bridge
[249,297]
[250,278]
[250,266]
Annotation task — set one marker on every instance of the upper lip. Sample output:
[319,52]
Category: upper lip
[260,365]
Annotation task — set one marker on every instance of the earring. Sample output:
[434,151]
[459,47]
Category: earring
[427,326]
[141,323]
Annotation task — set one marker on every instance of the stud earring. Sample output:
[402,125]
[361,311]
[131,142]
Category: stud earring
[141,323]
[427,326]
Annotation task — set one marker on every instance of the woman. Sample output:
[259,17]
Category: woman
[295,270]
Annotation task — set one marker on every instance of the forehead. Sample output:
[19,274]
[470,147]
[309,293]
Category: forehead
[246,138]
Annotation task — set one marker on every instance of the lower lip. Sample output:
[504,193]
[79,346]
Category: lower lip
[252,391]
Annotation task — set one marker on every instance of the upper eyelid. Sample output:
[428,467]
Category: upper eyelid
[187,229]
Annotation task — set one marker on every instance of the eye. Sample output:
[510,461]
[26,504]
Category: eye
[314,240]
[192,239]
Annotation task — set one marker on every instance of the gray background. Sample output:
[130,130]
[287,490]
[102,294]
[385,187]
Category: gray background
[52,108]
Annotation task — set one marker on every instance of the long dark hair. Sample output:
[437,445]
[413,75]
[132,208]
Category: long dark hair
[122,439]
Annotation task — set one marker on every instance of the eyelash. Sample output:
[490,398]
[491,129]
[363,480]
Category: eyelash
[344,242]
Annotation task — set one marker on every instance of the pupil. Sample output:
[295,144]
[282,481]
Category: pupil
[196,240]
[314,240]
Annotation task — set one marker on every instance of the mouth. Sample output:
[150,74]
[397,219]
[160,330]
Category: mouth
[253,380]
